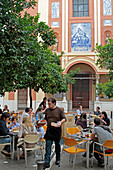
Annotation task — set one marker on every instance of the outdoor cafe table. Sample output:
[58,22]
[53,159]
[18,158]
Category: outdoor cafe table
[88,141]
[15,133]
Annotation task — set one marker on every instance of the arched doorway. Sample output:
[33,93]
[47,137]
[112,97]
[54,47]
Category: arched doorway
[83,91]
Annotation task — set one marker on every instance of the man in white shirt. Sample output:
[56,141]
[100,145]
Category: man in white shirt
[26,113]
[79,112]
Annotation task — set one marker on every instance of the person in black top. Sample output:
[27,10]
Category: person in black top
[0,111]
[104,119]
[43,103]
[3,132]
[55,117]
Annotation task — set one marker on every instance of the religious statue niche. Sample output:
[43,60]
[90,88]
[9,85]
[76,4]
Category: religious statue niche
[107,39]
[55,46]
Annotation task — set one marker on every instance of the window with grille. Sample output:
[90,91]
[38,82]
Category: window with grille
[80,8]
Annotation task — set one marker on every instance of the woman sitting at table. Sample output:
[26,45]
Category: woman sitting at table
[104,119]
[82,121]
[14,123]
[26,128]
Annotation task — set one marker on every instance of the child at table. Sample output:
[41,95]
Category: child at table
[14,123]
[40,129]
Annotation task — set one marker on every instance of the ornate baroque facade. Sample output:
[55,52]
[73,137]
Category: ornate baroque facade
[78,25]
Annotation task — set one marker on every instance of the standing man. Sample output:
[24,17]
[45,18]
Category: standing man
[55,117]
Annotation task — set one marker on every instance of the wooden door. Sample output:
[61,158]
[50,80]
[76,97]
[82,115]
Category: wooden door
[80,92]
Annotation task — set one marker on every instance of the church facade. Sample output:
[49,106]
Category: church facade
[78,26]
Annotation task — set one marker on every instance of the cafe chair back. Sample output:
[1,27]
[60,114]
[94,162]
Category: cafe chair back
[31,143]
[8,142]
[20,114]
[107,148]
[71,146]
[5,143]
[71,131]
[80,128]
[45,127]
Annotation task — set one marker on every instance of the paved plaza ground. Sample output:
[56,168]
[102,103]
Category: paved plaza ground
[8,164]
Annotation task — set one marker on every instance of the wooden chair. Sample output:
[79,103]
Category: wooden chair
[106,146]
[71,146]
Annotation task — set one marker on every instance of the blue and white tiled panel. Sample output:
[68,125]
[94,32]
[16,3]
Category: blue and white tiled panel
[107,22]
[55,10]
[55,24]
[107,7]
[80,37]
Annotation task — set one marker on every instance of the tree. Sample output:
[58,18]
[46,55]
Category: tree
[25,60]
[105,60]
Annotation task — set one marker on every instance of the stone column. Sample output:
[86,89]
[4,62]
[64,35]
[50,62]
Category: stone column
[97,81]
[97,102]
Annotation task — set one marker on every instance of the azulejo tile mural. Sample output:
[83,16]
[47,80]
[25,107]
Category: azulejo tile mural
[80,37]
[55,24]
[107,7]
[107,22]
[55,10]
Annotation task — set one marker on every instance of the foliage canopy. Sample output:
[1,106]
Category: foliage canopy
[25,56]
[105,60]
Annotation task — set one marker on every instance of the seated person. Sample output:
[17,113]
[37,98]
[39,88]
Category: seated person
[26,113]
[100,134]
[26,128]
[104,119]
[5,108]
[5,131]
[39,113]
[31,115]
[40,129]
[14,123]
[79,112]
[97,112]
[82,121]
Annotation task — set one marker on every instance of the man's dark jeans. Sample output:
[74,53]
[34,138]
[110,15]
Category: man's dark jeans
[48,150]
[96,155]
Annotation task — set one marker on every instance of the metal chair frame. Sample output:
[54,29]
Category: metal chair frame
[105,146]
[71,146]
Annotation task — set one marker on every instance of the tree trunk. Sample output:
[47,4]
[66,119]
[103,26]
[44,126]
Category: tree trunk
[30,95]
